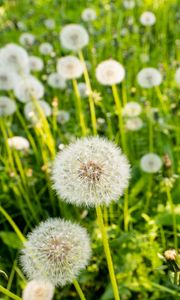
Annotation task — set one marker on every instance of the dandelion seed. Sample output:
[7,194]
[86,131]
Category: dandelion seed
[74,37]
[88,15]
[45,48]
[55,80]
[91,171]
[38,290]
[27,88]
[56,251]
[149,77]
[35,63]
[27,39]
[110,72]
[18,143]
[151,163]
[7,106]
[132,109]
[147,18]
[70,67]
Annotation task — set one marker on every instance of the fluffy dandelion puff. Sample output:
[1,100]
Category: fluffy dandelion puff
[14,58]
[38,290]
[35,63]
[8,79]
[128,4]
[132,109]
[63,116]
[74,37]
[147,18]
[18,143]
[177,76]
[31,111]
[7,106]
[149,77]
[88,15]
[45,48]
[91,171]
[28,88]
[55,80]
[56,251]
[27,39]
[110,72]
[70,67]
[49,23]
[134,124]
[151,163]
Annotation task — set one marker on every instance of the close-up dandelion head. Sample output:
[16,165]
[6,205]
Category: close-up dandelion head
[149,77]
[70,67]
[110,72]
[74,37]
[28,88]
[38,290]
[151,163]
[56,250]
[147,18]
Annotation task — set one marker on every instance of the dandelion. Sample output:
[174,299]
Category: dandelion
[134,124]
[28,88]
[74,37]
[56,251]
[110,72]
[63,116]
[151,163]
[149,77]
[170,254]
[27,39]
[91,171]
[35,63]
[88,15]
[18,143]
[70,67]
[147,18]
[128,4]
[8,79]
[38,290]
[31,112]
[132,109]
[7,106]
[83,90]
[55,80]
[177,76]
[14,58]
[45,48]
[49,23]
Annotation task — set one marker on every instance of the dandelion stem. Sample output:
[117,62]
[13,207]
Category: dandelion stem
[126,213]
[79,107]
[107,253]
[9,294]
[13,224]
[79,290]
[173,216]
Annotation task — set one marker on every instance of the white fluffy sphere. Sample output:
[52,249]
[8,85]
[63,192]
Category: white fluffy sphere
[7,106]
[55,80]
[27,88]
[149,77]
[110,72]
[38,290]
[151,163]
[70,67]
[147,18]
[74,37]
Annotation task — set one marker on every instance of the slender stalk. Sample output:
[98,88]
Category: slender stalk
[126,212]
[9,294]
[151,144]
[13,224]
[91,102]
[173,217]
[79,290]
[79,107]
[107,253]
[160,97]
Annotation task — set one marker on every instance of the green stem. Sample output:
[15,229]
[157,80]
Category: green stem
[79,290]
[173,217]
[9,294]
[126,212]
[107,253]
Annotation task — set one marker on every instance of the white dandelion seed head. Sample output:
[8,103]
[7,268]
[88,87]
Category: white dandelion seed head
[14,58]
[151,163]
[31,111]
[91,171]
[27,39]
[83,90]
[88,15]
[124,31]
[35,63]
[129,4]
[7,106]
[45,48]
[110,72]
[49,23]
[147,18]
[132,109]
[134,124]
[70,67]
[8,79]
[63,116]
[177,76]
[38,290]
[55,80]
[27,88]
[149,77]
[18,143]
[56,251]
[74,37]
